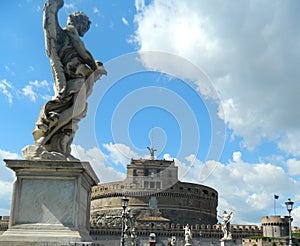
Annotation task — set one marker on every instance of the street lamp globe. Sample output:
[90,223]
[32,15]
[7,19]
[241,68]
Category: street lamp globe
[124,202]
[289,205]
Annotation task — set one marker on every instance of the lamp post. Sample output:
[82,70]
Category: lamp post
[200,237]
[124,206]
[289,206]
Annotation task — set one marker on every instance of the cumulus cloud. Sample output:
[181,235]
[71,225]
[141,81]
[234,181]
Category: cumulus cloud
[293,166]
[246,189]
[100,163]
[139,5]
[120,153]
[249,49]
[6,182]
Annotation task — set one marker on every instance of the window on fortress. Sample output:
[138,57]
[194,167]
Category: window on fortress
[146,172]
[158,172]
[134,173]
[205,192]
[152,185]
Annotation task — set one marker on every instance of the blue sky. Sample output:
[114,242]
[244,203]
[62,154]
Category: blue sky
[212,84]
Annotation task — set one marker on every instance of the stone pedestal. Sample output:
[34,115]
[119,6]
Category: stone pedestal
[226,242]
[50,204]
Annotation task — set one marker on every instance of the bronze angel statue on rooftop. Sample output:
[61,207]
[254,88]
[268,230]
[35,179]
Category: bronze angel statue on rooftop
[75,72]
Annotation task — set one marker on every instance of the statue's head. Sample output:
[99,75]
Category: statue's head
[80,21]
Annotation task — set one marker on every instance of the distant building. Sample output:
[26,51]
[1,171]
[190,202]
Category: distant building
[275,226]
[155,195]
[275,232]
[4,220]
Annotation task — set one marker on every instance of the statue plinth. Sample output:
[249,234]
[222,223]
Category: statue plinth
[226,242]
[50,203]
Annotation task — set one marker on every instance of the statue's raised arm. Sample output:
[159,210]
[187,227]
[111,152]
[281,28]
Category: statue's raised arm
[74,73]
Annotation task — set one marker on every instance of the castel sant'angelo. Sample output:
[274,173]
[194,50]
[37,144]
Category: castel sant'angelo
[155,195]
[159,207]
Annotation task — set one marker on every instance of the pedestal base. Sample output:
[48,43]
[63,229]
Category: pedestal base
[226,242]
[51,203]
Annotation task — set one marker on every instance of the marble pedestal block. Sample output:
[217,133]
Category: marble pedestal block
[50,204]
[226,242]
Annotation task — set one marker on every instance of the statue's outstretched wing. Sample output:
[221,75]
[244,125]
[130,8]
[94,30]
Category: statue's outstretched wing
[52,32]
[230,216]
[50,22]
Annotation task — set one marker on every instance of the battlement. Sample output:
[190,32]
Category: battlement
[275,220]
[181,189]
[171,229]
[4,221]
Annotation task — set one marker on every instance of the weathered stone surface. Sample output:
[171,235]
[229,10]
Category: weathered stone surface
[51,203]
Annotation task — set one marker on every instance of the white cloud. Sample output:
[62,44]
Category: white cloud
[290,142]
[120,153]
[36,83]
[99,162]
[6,181]
[28,92]
[125,22]
[70,6]
[250,50]
[296,215]
[96,11]
[33,90]
[293,166]
[244,188]
[36,89]
[139,5]
[5,190]
[6,89]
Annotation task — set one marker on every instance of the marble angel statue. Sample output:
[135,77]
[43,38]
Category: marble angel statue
[226,219]
[75,72]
